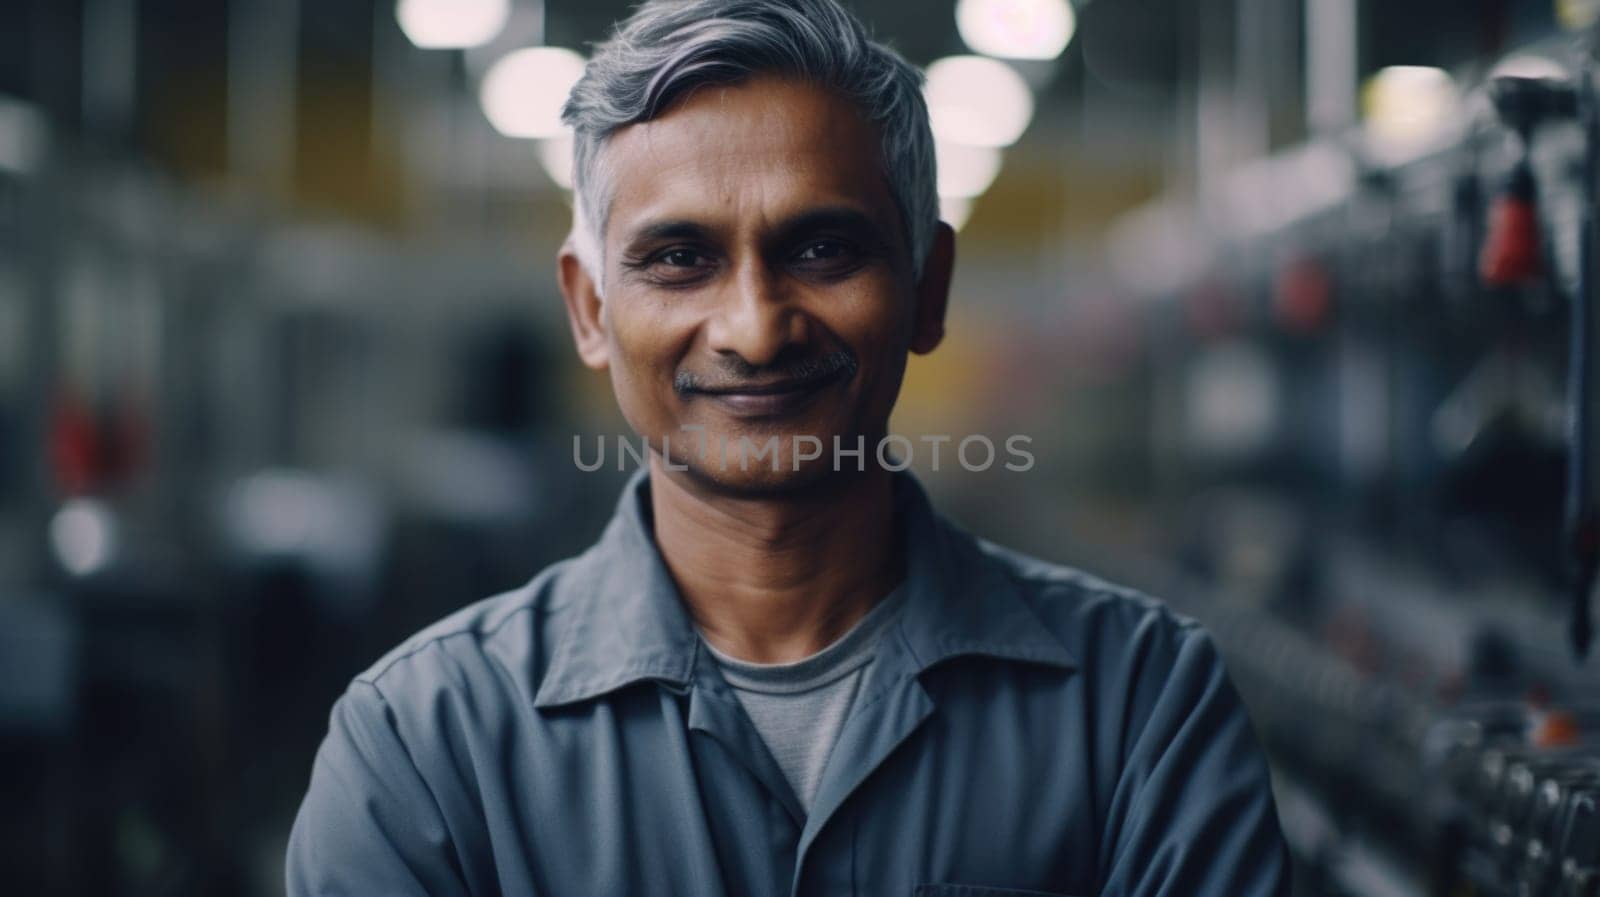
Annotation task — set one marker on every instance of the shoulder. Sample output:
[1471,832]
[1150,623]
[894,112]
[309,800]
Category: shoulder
[1099,621]
[1144,668]
[494,645]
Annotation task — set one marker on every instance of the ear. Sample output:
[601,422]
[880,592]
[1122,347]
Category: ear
[933,291]
[585,309]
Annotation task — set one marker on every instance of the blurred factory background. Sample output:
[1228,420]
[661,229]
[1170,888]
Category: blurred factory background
[1293,298]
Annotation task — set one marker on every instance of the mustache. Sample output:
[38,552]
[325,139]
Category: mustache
[740,373]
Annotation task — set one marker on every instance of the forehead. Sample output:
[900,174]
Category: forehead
[762,149]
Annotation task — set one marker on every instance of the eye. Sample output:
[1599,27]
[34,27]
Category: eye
[824,251]
[681,258]
[676,266]
[829,257]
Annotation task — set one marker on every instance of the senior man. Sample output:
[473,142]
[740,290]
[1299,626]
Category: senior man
[792,676]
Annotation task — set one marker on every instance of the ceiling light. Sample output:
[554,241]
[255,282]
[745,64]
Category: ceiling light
[1409,107]
[522,94]
[955,210]
[1016,29]
[452,24]
[977,101]
[555,154]
[965,171]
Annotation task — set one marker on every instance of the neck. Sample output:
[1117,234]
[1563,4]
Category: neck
[774,579]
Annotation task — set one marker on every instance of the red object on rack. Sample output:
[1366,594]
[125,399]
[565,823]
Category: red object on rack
[1511,249]
[75,445]
[92,448]
[1302,300]
[1557,728]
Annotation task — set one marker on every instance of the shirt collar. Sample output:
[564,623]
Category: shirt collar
[626,623]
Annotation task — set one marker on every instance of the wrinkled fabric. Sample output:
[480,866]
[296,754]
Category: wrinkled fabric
[1024,729]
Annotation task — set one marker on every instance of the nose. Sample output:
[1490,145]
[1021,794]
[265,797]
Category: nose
[756,322]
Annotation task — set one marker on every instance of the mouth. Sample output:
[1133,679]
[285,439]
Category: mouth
[774,398]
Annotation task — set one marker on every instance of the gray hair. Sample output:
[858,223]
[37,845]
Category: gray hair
[669,47]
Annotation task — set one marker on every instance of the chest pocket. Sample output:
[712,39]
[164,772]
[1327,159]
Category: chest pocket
[954,890]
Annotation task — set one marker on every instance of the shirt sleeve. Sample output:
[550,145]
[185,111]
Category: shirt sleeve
[1193,812]
[368,824]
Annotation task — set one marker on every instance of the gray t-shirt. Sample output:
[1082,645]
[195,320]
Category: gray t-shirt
[800,707]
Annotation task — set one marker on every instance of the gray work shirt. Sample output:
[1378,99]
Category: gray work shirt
[798,708]
[1023,729]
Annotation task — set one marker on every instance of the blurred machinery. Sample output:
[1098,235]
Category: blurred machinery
[240,456]
[1376,356]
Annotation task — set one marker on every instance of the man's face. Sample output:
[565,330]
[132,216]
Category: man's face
[757,284]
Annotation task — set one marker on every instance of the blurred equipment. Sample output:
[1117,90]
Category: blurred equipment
[1393,526]
[1513,248]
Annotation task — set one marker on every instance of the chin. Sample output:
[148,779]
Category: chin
[761,478]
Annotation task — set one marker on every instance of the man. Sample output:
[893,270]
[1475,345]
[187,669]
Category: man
[780,674]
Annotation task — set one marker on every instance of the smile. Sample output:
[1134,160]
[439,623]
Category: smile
[775,399]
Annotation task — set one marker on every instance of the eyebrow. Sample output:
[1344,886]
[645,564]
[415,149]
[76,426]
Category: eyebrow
[672,229]
[847,219]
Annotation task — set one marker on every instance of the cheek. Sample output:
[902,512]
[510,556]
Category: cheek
[643,336]
[645,345]
[876,322]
